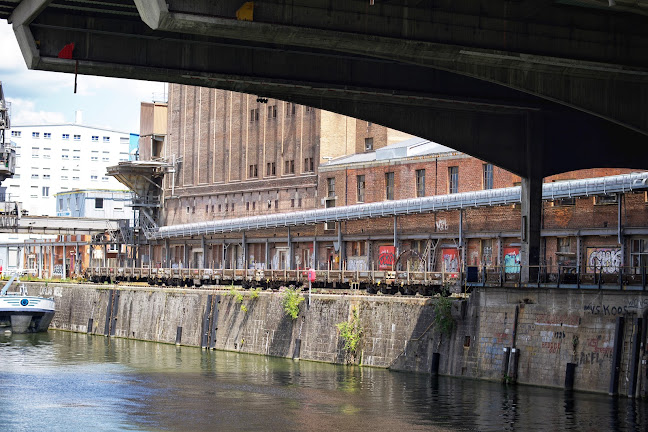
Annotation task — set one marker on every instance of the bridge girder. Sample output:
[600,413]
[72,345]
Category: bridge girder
[468,75]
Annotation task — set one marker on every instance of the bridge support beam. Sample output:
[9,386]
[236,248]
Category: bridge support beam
[531,200]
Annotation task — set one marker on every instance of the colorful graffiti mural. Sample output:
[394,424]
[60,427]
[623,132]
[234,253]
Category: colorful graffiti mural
[450,260]
[605,260]
[386,257]
[511,260]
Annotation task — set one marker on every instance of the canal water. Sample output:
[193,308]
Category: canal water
[59,381]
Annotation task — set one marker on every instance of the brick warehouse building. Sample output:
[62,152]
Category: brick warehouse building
[243,159]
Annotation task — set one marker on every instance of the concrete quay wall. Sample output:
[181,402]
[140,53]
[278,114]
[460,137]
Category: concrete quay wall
[548,329]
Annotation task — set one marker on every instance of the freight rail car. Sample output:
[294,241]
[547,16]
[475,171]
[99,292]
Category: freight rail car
[387,282]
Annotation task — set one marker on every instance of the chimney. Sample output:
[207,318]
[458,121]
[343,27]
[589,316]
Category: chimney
[78,117]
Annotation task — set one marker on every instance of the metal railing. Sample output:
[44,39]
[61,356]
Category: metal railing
[550,191]
[408,282]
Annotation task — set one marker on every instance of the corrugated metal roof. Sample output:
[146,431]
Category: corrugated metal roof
[413,147]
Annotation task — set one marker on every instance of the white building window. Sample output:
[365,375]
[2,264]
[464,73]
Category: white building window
[66,136]
[105,159]
[93,177]
[64,177]
[45,191]
[77,137]
[104,178]
[65,156]
[106,139]
[47,135]
[95,138]
[34,176]
[94,158]
[16,134]
[76,157]
[35,135]
[75,178]
[46,176]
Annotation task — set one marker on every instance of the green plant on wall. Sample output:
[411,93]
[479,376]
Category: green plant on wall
[351,333]
[238,298]
[290,302]
[254,294]
[443,315]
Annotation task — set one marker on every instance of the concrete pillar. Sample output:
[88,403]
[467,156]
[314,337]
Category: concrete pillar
[204,249]
[245,251]
[64,275]
[267,254]
[290,251]
[531,199]
[40,262]
[531,225]
[224,251]
[166,253]
[342,250]
[314,257]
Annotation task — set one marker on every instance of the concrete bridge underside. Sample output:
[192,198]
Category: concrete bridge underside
[536,87]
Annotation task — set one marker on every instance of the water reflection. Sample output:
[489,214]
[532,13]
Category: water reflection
[66,381]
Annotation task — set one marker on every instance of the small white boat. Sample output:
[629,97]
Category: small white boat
[21,313]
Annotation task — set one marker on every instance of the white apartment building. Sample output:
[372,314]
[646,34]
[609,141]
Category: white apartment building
[95,203]
[58,158]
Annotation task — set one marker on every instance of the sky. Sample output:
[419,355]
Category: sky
[39,97]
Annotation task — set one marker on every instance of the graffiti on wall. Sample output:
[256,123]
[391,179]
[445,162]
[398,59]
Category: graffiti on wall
[450,260]
[57,270]
[511,260]
[357,264]
[386,257]
[605,260]
[442,225]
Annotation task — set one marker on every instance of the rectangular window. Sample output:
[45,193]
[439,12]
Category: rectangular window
[272,111]
[77,137]
[289,167]
[368,144]
[254,115]
[106,139]
[34,176]
[253,171]
[104,179]
[271,169]
[420,183]
[308,165]
[16,134]
[93,177]
[35,135]
[45,191]
[488,176]
[64,177]
[276,204]
[98,203]
[360,188]
[46,176]
[561,202]
[605,199]
[292,202]
[290,109]
[105,159]
[76,178]
[65,136]
[47,135]
[95,138]
[92,158]
[389,186]
[453,179]
[330,187]
[247,206]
